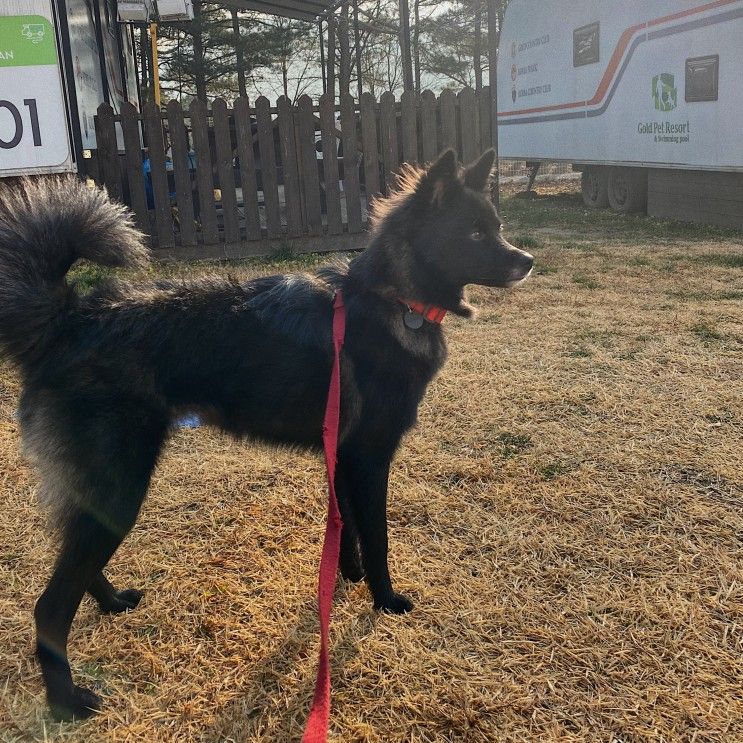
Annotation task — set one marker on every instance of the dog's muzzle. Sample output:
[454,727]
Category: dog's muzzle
[520,272]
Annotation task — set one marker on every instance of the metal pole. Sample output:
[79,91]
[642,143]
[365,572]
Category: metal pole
[73,112]
[155,70]
[146,50]
[101,51]
[137,71]
[119,33]
[493,33]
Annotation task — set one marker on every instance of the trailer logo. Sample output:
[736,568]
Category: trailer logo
[665,95]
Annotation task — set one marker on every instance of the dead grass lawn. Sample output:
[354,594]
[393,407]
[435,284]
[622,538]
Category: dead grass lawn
[568,517]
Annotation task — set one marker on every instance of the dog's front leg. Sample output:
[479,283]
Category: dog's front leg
[365,476]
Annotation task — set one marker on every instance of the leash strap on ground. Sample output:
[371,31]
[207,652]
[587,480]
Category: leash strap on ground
[316,730]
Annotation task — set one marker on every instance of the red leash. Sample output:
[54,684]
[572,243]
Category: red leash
[316,730]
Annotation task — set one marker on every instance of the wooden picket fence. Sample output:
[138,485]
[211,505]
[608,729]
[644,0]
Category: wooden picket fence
[229,183]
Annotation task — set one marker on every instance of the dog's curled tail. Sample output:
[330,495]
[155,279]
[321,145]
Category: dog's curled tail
[46,224]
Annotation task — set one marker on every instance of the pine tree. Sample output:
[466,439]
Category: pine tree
[453,44]
[200,58]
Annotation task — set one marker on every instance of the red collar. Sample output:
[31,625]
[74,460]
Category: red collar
[430,312]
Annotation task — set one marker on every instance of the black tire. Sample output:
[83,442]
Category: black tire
[594,186]
[628,190]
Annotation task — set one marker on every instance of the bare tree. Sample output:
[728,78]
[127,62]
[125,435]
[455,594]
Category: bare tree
[295,69]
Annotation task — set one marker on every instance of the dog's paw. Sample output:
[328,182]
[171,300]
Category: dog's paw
[78,704]
[395,603]
[121,601]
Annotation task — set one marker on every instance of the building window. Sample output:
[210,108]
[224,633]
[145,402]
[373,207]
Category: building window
[702,74]
[586,45]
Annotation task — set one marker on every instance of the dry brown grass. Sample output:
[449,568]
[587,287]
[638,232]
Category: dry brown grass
[568,516]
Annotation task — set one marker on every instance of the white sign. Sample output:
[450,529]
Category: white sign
[34,136]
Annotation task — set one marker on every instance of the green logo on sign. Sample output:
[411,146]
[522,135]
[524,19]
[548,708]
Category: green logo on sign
[665,96]
[34,32]
[26,41]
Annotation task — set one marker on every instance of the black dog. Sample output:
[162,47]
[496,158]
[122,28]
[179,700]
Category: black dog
[105,373]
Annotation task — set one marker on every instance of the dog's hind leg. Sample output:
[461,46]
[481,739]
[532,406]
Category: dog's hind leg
[106,466]
[109,599]
[89,541]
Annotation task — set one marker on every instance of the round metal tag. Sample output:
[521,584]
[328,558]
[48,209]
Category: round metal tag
[413,320]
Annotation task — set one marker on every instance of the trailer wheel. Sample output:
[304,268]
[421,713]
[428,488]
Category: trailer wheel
[594,185]
[628,190]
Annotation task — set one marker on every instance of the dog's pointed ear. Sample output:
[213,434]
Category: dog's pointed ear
[477,175]
[445,167]
[440,178]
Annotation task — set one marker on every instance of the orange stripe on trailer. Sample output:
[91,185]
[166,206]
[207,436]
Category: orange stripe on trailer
[616,58]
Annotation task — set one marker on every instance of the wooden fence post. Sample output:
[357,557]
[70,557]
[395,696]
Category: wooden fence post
[108,151]
[292,197]
[447,108]
[156,151]
[429,127]
[223,147]
[330,164]
[468,124]
[244,134]
[204,175]
[351,160]
[308,157]
[134,165]
[181,173]
[268,166]
[409,120]
[484,103]
[370,145]
[388,136]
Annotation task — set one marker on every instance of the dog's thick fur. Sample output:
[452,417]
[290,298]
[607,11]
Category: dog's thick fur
[106,373]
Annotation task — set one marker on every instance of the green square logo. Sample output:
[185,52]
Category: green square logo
[33,32]
[26,41]
[665,95]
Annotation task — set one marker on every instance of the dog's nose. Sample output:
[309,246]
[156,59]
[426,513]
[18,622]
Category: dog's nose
[528,261]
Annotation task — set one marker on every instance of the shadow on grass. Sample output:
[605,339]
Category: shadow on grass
[266,708]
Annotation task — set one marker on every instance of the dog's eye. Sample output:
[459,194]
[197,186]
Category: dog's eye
[477,235]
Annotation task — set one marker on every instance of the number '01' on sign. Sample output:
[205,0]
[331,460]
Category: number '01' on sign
[15,140]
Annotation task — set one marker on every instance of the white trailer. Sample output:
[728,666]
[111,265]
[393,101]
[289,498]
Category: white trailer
[645,98]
